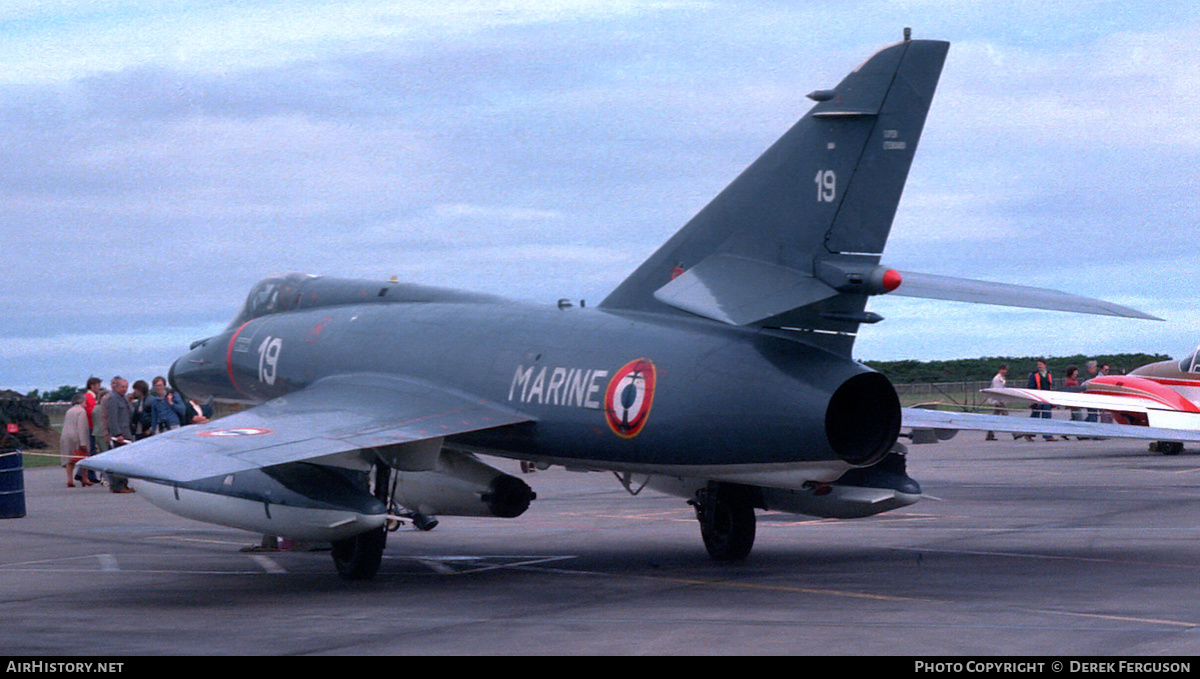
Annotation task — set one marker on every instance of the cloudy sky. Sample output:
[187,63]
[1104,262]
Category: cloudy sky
[159,157]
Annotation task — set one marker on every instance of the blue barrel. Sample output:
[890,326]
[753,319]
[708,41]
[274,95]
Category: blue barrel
[12,486]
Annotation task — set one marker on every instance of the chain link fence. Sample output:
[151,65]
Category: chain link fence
[961,394]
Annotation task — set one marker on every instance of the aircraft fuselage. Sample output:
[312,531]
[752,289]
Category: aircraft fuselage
[626,389]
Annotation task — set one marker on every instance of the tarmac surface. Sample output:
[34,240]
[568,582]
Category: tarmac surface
[1077,548]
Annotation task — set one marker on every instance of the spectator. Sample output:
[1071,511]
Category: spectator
[166,408]
[998,408]
[73,444]
[117,413]
[1043,380]
[139,406]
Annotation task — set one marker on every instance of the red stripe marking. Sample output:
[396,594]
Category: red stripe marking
[1143,396]
[1141,387]
[1166,381]
[229,357]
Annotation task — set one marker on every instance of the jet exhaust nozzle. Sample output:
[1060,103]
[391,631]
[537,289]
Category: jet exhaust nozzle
[862,421]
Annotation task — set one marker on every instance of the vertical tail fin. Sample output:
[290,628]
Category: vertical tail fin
[774,247]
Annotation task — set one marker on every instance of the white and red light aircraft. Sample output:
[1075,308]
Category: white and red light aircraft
[1159,396]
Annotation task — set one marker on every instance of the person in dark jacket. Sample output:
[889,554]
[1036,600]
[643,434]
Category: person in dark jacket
[166,407]
[139,420]
[118,415]
[1041,379]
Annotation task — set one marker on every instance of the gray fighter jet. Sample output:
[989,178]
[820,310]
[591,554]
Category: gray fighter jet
[719,371]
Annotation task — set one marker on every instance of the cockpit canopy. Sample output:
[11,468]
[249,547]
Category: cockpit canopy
[1191,364]
[294,291]
[271,296]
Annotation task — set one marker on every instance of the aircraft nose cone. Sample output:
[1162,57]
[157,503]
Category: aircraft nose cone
[190,372]
[178,373]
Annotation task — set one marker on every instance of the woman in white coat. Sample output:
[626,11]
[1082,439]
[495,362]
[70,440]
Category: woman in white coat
[73,444]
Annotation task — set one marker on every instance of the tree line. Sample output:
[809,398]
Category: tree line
[1019,367]
[63,393]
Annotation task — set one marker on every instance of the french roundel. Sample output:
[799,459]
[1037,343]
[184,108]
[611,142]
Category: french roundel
[242,431]
[628,398]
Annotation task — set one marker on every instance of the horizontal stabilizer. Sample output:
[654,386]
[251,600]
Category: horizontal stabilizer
[930,286]
[741,291]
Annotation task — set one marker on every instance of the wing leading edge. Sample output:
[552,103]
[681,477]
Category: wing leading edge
[334,416]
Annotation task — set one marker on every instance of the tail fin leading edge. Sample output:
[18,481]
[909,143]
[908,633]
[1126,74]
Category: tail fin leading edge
[825,192]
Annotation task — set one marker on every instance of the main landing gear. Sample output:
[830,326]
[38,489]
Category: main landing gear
[358,557]
[727,523]
[1167,447]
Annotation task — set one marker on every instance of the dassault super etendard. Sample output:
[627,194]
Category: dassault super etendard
[720,370]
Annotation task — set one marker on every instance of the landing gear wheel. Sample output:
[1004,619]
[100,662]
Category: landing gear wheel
[1170,447]
[358,558]
[727,522]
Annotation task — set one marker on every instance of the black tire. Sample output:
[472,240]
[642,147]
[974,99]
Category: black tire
[358,558]
[727,524]
[1170,447]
